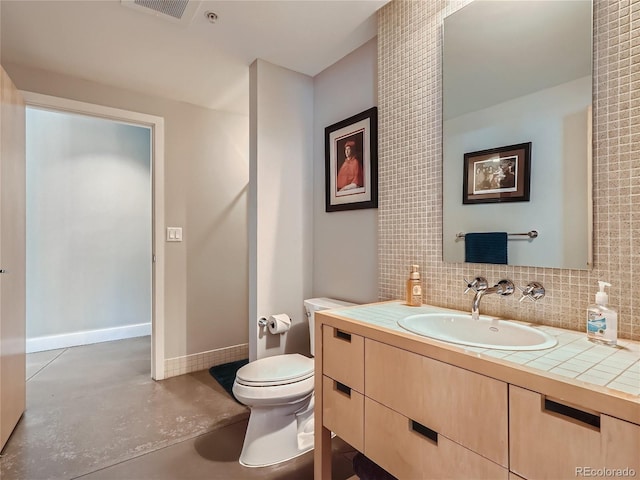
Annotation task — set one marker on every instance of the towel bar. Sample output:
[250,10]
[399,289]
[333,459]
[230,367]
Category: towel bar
[531,234]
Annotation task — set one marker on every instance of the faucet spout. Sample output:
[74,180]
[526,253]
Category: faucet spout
[475,306]
[503,287]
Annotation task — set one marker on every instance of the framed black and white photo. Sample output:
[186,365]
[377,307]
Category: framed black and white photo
[500,174]
[351,162]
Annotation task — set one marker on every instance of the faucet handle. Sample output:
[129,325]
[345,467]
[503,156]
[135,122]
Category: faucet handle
[533,291]
[478,283]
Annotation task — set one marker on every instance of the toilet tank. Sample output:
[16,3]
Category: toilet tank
[312,305]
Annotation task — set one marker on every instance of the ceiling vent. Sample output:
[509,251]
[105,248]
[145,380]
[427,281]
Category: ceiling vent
[176,11]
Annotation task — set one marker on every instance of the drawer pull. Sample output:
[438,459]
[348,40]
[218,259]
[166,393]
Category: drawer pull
[341,387]
[424,431]
[567,411]
[343,335]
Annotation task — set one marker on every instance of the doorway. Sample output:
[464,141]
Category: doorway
[110,237]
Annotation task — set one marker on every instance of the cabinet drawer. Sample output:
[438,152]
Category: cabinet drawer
[540,428]
[465,407]
[343,357]
[343,412]
[409,451]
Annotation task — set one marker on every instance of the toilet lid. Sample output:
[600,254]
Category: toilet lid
[276,370]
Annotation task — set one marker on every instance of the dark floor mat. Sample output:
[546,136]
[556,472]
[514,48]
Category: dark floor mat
[225,374]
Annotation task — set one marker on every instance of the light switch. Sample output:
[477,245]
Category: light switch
[174,234]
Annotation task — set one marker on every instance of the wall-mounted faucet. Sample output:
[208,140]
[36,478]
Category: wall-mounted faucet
[480,286]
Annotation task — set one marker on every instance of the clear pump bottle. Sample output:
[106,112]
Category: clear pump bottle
[414,287]
[602,321]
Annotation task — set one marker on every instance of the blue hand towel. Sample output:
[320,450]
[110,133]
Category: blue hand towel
[488,247]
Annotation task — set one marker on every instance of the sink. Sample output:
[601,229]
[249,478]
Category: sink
[486,332]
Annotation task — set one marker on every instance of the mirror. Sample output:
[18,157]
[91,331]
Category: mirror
[518,73]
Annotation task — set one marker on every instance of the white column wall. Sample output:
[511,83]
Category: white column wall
[280,205]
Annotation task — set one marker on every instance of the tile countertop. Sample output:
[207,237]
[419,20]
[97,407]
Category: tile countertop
[574,357]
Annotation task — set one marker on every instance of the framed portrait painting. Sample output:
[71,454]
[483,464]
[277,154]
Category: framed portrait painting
[351,162]
[500,174]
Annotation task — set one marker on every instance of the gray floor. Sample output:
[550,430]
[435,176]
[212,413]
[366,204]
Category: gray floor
[93,412]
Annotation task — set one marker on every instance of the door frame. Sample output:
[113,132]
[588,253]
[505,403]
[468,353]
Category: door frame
[156,124]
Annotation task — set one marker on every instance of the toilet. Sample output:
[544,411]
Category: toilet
[279,392]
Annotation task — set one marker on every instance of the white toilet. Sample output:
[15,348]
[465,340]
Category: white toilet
[279,391]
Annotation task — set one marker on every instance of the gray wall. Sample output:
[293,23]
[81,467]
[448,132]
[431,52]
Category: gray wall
[345,244]
[206,177]
[88,223]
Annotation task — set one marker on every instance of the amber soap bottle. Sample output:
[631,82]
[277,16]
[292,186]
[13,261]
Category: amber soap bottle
[414,287]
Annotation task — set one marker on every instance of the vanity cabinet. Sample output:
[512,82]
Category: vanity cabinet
[423,410]
[409,450]
[569,439]
[343,412]
[462,406]
[343,358]
[415,417]
[343,385]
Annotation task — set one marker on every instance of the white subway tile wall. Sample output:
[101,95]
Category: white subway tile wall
[410,167]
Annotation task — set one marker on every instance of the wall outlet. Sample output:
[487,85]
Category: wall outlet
[174,234]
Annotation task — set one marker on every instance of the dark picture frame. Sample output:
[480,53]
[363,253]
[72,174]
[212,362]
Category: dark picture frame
[497,175]
[351,162]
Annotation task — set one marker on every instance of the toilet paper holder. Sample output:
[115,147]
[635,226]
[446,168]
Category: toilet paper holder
[279,323]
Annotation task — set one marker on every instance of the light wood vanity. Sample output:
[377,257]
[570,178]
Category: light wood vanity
[426,409]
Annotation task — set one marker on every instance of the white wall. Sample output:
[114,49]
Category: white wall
[280,212]
[206,178]
[555,121]
[88,223]
[345,248]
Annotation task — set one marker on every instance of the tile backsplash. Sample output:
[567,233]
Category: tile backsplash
[410,171]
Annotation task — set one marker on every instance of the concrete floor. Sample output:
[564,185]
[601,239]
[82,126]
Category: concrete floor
[93,412]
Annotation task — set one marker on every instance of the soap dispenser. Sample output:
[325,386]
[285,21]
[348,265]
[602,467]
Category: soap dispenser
[414,287]
[602,321]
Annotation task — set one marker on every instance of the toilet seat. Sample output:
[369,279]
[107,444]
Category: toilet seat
[276,370]
[273,395]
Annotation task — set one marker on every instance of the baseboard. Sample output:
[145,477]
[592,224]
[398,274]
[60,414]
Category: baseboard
[204,360]
[52,342]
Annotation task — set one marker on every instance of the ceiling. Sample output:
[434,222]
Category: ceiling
[195,61]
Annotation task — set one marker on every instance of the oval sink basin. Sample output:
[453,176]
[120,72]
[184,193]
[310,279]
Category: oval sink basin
[486,332]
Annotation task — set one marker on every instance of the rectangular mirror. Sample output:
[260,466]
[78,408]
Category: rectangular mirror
[517,81]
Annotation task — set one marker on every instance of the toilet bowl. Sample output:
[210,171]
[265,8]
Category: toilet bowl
[279,392]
